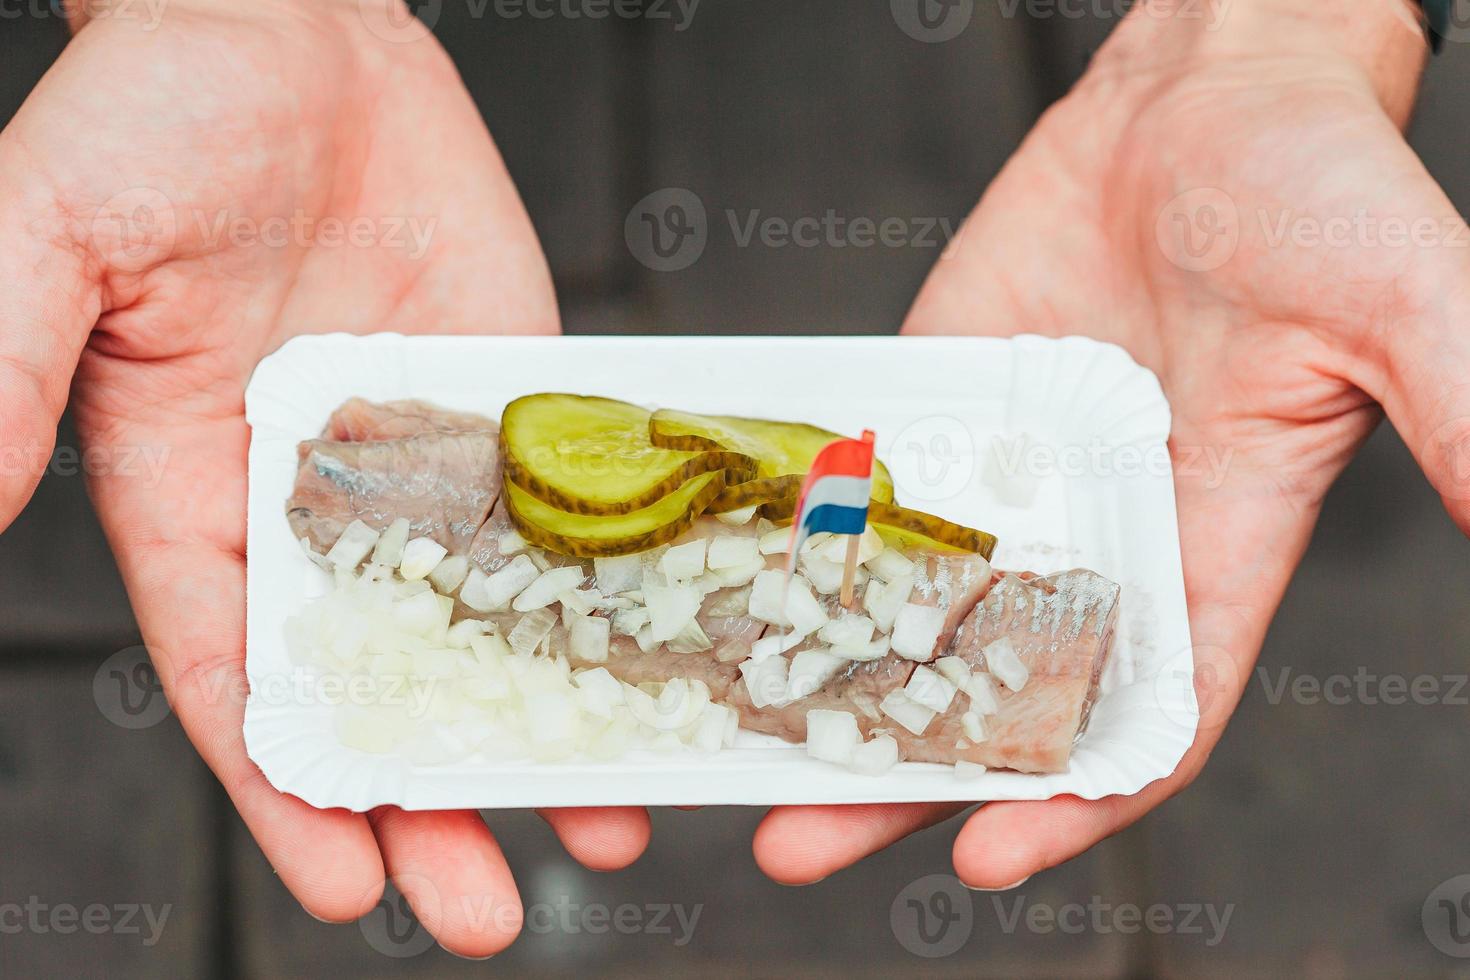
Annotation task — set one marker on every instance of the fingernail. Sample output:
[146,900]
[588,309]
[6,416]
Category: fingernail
[462,956]
[1002,888]
[318,918]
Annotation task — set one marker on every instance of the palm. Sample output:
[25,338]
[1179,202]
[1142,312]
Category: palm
[212,228]
[1263,347]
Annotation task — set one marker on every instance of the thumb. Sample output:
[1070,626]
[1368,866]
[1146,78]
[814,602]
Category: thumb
[47,309]
[1426,389]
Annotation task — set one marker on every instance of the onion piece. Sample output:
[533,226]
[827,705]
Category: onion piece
[732,551]
[461,633]
[579,602]
[735,518]
[776,542]
[832,736]
[765,680]
[671,608]
[874,757]
[875,649]
[511,543]
[809,671]
[739,575]
[598,691]
[870,546]
[589,638]
[969,770]
[505,585]
[691,639]
[533,627]
[774,643]
[848,629]
[826,576]
[984,698]
[353,546]
[420,557]
[629,621]
[389,549]
[955,670]
[974,726]
[712,731]
[1005,664]
[543,592]
[882,602]
[450,574]
[916,630]
[908,713]
[889,564]
[618,574]
[928,688]
[678,704]
[684,562]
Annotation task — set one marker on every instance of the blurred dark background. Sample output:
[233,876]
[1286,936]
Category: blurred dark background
[1322,830]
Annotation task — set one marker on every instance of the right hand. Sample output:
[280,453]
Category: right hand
[149,180]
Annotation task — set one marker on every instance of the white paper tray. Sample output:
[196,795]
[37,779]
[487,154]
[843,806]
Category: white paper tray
[947,412]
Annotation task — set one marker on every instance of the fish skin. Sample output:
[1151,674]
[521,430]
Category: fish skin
[441,475]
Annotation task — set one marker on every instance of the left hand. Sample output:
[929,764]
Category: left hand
[1276,350]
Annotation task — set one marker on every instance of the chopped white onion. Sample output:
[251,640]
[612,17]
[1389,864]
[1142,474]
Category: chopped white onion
[984,698]
[968,770]
[974,726]
[826,576]
[511,543]
[765,680]
[889,564]
[776,542]
[1005,664]
[832,736]
[620,574]
[629,621]
[715,728]
[533,627]
[420,557]
[450,574]
[908,713]
[916,630]
[493,593]
[691,639]
[875,649]
[600,692]
[579,602]
[671,608]
[461,633]
[732,551]
[544,590]
[955,670]
[683,562]
[874,757]
[735,518]
[739,575]
[773,643]
[809,671]
[589,638]
[389,549]
[928,688]
[353,546]
[679,703]
[848,629]
[870,546]
[883,602]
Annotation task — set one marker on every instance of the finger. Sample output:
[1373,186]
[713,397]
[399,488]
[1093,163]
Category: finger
[601,838]
[801,845]
[451,870]
[185,576]
[46,314]
[1425,388]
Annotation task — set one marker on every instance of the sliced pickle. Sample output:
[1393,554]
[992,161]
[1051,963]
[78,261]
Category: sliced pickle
[766,491]
[779,448]
[607,535]
[905,529]
[587,455]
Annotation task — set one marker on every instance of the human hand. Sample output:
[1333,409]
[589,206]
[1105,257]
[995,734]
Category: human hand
[168,219]
[1168,205]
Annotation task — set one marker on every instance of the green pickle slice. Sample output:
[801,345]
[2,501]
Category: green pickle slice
[906,529]
[779,448]
[589,455]
[607,535]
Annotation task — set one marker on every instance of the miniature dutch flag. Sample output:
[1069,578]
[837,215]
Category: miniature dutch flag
[834,498]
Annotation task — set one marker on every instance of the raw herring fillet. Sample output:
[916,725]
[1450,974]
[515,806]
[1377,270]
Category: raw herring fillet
[443,480]
[1061,626]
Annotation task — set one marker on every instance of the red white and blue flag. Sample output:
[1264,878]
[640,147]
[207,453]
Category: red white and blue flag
[834,496]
